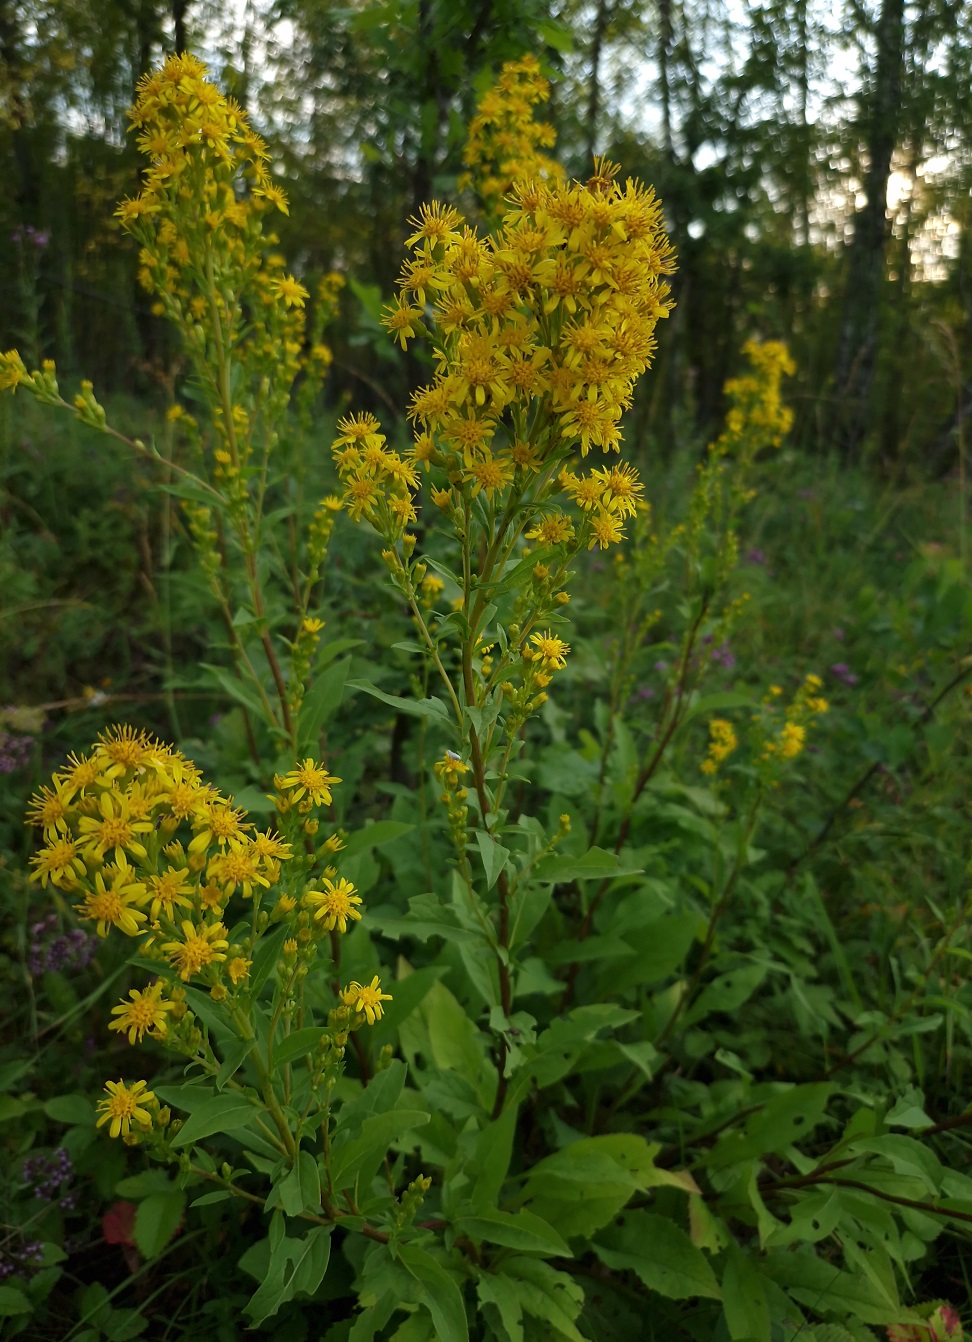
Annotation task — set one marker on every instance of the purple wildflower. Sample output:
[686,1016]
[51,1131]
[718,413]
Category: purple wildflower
[14,751]
[51,953]
[723,655]
[46,1176]
[756,556]
[841,671]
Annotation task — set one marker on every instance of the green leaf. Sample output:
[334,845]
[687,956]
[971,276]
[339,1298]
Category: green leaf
[726,993]
[321,701]
[407,995]
[157,1219]
[455,1042]
[440,1294]
[783,1120]
[908,1111]
[13,1301]
[491,1157]
[906,1155]
[239,691]
[825,1289]
[660,1254]
[593,948]
[296,1045]
[300,1190]
[494,856]
[522,1230]
[561,1045]
[78,1110]
[597,864]
[351,1158]
[744,1299]
[225,1112]
[296,1266]
[582,1187]
[233,1056]
[500,1292]
[419,708]
[718,703]
[374,835]
[547,1294]
[221,1195]
[265,957]
[141,1185]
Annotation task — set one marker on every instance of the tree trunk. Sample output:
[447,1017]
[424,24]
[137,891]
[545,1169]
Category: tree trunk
[602,18]
[857,337]
[179,9]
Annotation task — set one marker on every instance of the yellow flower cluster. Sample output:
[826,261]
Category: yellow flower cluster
[505,144]
[133,834]
[757,418]
[722,742]
[203,254]
[540,333]
[786,739]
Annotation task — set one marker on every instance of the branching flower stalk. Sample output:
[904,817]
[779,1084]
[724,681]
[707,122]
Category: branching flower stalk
[539,333]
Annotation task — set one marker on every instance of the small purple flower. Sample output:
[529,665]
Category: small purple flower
[23,1260]
[50,953]
[839,635]
[723,655]
[661,667]
[756,556]
[842,672]
[645,692]
[15,751]
[46,1177]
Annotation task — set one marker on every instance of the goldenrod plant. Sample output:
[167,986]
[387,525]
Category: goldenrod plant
[532,1077]
[208,261]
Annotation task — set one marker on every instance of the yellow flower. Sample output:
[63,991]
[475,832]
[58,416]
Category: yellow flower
[110,903]
[114,829]
[311,780]
[238,866]
[550,650]
[83,772]
[290,291]
[124,1105]
[367,999]
[169,889]
[121,748]
[146,1011]
[792,740]
[49,809]
[334,905]
[60,862]
[200,947]
[238,969]
[215,819]
[722,742]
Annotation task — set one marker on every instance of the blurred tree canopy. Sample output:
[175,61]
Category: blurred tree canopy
[815,166]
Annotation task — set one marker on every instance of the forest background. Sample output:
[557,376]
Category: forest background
[814,162]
